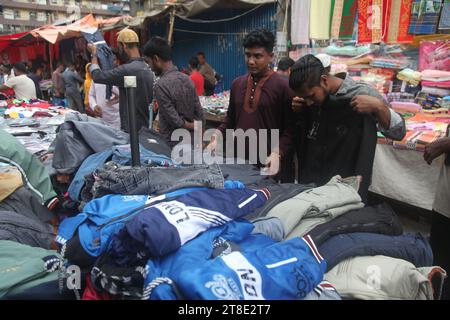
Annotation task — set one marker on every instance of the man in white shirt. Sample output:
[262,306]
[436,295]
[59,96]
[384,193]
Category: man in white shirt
[23,86]
[107,110]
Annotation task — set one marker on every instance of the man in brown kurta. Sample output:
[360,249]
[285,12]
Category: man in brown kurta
[261,100]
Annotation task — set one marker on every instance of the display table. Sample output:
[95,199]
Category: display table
[403,175]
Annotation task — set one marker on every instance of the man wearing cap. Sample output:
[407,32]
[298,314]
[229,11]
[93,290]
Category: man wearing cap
[133,65]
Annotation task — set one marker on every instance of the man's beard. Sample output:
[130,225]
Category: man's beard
[123,56]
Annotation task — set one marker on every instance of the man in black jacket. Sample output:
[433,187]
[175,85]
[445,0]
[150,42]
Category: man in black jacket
[338,122]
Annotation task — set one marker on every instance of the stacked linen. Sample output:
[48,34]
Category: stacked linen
[410,76]
[436,82]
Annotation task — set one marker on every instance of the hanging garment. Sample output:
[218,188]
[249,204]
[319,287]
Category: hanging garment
[300,21]
[385,278]
[372,20]
[399,13]
[320,20]
[424,16]
[343,21]
[104,53]
[444,21]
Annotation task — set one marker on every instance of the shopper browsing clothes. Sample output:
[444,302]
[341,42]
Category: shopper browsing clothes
[176,95]
[133,65]
[337,127]
[259,100]
[23,86]
[440,218]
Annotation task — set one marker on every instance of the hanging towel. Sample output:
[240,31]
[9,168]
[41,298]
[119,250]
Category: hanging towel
[300,21]
[343,20]
[424,16]
[372,20]
[444,24]
[320,20]
[399,20]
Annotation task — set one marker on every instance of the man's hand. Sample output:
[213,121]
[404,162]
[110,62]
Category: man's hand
[212,146]
[98,112]
[367,104]
[298,104]
[272,164]
[435,149]
[92,48]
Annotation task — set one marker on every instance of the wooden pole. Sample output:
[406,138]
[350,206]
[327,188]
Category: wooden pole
[172,23]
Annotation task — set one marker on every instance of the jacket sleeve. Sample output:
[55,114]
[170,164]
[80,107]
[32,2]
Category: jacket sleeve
[112,77]
[167,108]
[287,135]
[366,155]
[397,127]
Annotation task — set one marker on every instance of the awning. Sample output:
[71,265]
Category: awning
[53,34]
[8,40]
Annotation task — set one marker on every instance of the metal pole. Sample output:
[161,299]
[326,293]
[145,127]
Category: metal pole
[130,86]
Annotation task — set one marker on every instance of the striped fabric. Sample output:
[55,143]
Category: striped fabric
[425,16]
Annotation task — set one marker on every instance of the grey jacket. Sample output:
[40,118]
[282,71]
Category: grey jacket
[301,213]
[79,137]
[25,230]
[385,278]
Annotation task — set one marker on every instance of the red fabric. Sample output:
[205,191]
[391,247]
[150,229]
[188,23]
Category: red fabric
[91,294]
[199,82]
[372,20]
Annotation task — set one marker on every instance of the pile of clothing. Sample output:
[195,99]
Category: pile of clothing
[223,232]
[216,104]
[436,82]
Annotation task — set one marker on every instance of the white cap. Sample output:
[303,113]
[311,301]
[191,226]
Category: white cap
[325,59]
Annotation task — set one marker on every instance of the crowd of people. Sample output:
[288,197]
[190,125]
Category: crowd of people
[329,121]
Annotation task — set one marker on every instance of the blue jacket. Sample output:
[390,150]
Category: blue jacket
[197,252]
[167,226]
[104,216]
[410,247]
[281,271]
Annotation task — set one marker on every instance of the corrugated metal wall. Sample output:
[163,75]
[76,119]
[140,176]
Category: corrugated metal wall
[224,50]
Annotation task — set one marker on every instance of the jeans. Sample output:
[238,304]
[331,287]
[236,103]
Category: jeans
[380,219]
[74,101]
[151,180]
[120,154]
[410,247]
